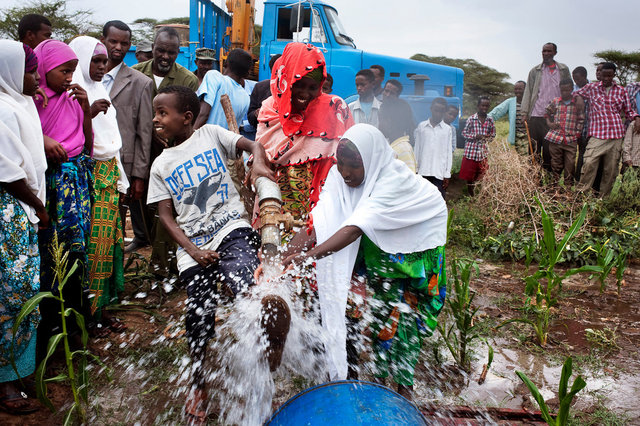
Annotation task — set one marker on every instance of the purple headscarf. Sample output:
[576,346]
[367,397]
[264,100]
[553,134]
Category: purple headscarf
[30,59]
[63,117]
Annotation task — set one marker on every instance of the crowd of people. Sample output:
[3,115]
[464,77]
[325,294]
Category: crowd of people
[86,139]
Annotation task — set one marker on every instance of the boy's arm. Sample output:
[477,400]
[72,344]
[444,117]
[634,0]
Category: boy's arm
[203,257]
[500,110]
[550,113]
[467,133]
[261,165]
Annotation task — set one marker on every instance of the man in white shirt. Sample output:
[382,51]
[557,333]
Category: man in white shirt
[365,109]
[433,147]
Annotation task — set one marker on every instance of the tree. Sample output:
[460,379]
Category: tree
[65,24]
[143,28]
[628,64]
[479,80]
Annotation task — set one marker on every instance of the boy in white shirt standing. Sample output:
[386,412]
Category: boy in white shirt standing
[433,147]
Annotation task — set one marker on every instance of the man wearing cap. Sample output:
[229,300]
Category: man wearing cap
[143,52]
[204,62]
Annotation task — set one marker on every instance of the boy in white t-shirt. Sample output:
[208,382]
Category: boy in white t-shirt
[211,227]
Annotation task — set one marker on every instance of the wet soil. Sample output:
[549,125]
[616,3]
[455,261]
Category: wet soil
[149,376]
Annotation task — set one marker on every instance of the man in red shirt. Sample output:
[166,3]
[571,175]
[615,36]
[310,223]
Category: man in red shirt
[607,101]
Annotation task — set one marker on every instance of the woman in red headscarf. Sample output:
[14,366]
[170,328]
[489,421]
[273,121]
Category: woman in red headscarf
[300,126]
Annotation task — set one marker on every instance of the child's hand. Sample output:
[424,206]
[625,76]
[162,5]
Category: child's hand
[54,151]
[101,105]
[79,94]
[40,93]
[205,257]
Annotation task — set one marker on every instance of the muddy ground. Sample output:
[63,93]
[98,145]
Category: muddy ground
[148,361]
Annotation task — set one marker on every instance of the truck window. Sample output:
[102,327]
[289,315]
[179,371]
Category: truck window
[309,33]
[336,27]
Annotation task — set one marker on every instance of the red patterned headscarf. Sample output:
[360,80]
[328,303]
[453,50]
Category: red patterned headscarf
[30,59]
[326,116]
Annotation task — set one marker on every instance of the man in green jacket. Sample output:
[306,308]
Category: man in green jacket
[543,85]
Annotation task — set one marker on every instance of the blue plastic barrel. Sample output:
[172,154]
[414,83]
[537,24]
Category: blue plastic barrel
[347,402]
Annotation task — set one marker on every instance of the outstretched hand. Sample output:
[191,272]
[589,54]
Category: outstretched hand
[294,259]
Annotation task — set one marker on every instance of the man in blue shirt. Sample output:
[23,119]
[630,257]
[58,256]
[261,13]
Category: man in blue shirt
[517,133]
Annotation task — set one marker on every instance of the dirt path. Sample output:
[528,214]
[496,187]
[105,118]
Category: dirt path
[149,361]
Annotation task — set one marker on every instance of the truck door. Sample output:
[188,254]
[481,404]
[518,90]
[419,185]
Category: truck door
[311,31]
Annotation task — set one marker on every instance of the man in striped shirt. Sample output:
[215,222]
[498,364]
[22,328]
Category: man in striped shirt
[607,101]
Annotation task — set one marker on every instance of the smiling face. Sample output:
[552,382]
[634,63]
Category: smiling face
[483,107]
[349,163]
[168,121]
[98,67]
[59,78]
[165,52]
[31,82]
[118,43]
[303,92]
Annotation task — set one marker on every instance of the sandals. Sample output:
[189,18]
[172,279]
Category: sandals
[195,408]
[18,404]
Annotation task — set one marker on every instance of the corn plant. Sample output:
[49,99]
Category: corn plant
[462,331]
[78,378]
[565,398]
[606,259]
[544,286]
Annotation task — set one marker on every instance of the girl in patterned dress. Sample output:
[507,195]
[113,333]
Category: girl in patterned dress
[22,196]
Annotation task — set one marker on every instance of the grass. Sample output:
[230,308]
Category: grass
[601,416]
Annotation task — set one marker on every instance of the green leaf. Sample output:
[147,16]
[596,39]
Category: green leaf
[538,397]
[565,403]
[29,306]
[549,237]
[69,274]
[67,417]
[585,268]
[58,378]
[41,386]
[81,325]
[573,230]
[567,369]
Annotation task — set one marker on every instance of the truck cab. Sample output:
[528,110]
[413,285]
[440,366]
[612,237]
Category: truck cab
[318,23]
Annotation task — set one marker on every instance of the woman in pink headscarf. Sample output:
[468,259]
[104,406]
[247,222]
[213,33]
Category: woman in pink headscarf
[68,141]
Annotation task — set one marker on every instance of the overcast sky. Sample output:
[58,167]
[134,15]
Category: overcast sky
[505,35]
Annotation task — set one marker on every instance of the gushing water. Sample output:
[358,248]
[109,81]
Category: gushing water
[239,373]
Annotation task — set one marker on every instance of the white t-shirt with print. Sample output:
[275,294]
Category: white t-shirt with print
[194,176]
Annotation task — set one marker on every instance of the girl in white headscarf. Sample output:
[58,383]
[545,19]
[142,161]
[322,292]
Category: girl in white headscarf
[373,203]
[22,210]
[106,275]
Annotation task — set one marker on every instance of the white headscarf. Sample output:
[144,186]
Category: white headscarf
[21,142]
[399,211]
[106,135]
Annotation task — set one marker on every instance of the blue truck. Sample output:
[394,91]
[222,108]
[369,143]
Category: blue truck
[318,23]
